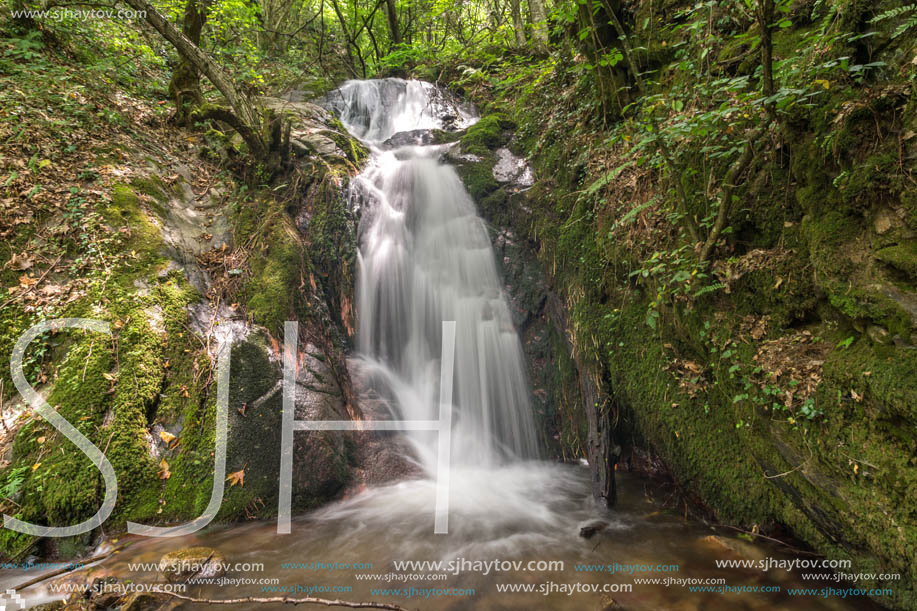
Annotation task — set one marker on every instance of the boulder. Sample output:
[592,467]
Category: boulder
[188,562]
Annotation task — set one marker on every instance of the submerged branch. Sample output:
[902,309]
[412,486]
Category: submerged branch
[309,600]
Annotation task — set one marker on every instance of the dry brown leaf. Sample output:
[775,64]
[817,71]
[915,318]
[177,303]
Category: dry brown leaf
[164,472]
[21,262]
[237,478]
[166,436]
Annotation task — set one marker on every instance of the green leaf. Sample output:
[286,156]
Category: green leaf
[607,178]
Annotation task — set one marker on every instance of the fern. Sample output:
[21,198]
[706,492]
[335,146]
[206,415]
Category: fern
[894,13]
[14,481]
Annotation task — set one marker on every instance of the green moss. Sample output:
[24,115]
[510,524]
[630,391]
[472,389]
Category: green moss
[478,178]
[154,186]
[145,239]
[902,257]
[486,135]
[275,270]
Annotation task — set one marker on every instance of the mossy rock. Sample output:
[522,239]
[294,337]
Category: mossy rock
[488,134]
[902,257]
[203,562]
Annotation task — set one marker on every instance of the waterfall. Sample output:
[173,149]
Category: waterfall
[425,257]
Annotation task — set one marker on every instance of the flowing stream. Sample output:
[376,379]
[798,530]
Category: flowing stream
[425,257]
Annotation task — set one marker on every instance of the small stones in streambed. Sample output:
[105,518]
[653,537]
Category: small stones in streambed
[592,528]
[188,562]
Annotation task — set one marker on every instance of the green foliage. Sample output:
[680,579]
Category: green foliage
[907,15]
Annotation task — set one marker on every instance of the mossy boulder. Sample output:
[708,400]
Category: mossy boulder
[322,463]
[182,564]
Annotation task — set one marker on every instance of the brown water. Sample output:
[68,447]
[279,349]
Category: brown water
[640,532]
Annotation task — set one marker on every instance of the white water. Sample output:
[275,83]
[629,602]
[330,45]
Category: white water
[425,257]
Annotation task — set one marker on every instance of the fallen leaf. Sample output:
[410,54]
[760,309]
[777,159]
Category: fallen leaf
[36,465]
[164,472]
[21,262]
[41,440]
[166,436]
[237,478]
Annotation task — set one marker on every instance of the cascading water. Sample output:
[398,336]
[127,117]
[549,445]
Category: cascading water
[425,257]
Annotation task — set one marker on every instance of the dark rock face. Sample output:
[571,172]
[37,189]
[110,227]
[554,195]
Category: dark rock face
[527,293]
[321,459]
[380,455]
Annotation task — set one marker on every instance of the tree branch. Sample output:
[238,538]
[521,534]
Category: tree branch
[240,104]
[309,600]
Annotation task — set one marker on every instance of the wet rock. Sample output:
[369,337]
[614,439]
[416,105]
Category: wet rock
[382,455]
[415,137]
[147,601]
[321,465]
[311,131]
[188,562]
[512,169]
[592,528]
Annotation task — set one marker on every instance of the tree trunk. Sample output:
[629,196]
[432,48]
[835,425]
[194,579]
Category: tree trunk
[518,25]
[249,121]
[185,86]
[539,22]
[393,22]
